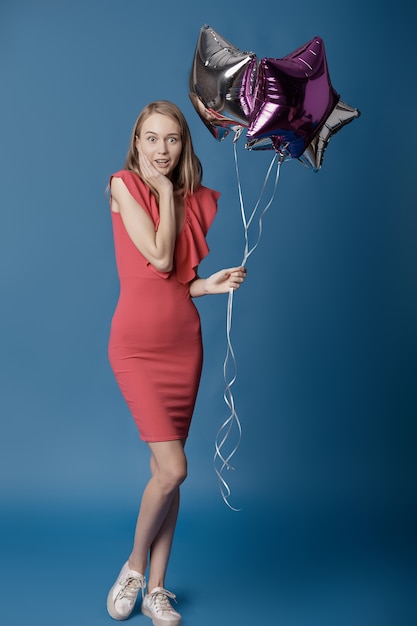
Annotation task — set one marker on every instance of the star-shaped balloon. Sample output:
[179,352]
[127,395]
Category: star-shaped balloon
[293,98]
[222,83]
[341,115]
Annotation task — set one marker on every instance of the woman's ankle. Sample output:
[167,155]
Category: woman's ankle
[154,584]
[136,566]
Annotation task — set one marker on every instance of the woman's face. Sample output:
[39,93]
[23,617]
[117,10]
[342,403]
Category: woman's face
[160,141]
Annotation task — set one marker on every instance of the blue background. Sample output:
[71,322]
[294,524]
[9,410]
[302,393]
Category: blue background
[324,329]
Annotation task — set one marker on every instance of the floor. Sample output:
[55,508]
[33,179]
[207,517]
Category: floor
[258,566]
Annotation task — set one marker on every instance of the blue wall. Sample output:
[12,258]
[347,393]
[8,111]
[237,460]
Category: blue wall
[325,327]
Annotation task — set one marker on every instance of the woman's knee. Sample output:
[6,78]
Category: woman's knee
[169,468]
[170,477]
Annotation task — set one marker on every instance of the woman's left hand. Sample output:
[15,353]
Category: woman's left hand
[225,280]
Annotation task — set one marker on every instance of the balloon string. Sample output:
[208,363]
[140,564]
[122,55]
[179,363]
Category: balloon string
[247,222]
[232,423]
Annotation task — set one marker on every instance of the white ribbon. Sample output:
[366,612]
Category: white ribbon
[232,424]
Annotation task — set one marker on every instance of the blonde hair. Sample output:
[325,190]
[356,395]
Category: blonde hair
[188,173]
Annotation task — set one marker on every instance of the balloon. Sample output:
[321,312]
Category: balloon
[341,115]
[293,98]
[222,83]
[270,143]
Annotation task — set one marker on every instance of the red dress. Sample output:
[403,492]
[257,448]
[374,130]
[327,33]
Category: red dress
[155,347]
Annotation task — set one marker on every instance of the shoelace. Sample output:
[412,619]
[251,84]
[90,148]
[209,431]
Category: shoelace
[130,588]
[160,602]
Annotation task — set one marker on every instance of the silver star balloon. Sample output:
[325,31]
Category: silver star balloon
[222,83]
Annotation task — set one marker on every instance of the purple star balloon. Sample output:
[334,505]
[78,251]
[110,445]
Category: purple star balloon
[293,98]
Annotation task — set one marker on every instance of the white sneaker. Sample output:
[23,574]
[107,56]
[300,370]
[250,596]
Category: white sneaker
[122,596]
[157,606]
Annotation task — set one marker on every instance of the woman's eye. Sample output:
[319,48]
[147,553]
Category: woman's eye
[151,139]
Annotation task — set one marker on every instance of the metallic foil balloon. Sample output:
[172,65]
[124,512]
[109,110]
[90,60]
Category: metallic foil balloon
[222,83]
[293,98]
[341,115]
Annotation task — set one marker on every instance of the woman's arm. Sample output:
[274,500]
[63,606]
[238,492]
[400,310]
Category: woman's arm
[156,246]
[220,282]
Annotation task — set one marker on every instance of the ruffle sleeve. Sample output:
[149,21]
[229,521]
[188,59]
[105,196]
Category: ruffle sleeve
[199,212]
[191,247]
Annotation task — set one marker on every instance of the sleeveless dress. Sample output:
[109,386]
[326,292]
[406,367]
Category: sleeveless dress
[155,347]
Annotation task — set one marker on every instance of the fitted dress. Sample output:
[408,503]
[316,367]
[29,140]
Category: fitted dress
[155,346]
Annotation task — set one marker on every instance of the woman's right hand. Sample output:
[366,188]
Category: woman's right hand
[152,176]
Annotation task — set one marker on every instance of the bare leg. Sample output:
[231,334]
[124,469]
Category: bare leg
[158,511]
[161,547]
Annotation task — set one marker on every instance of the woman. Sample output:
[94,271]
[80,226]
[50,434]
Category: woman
[160,214]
